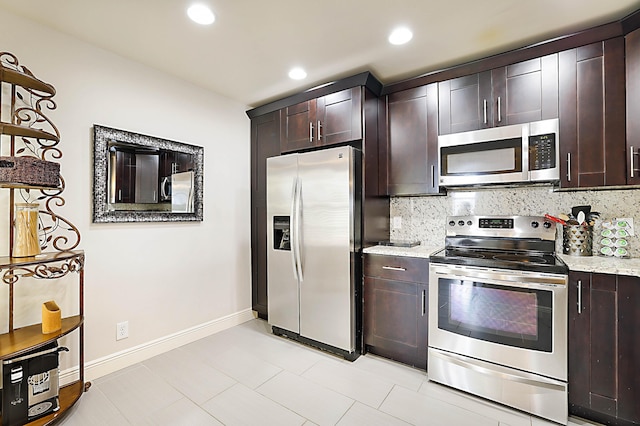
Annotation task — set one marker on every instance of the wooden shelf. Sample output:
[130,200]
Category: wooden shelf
[25,339]
[28,132]
[25,80]
[7,262]
[68,396]
[17,185]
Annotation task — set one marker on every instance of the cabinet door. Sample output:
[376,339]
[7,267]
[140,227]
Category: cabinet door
[632,63]
[339,117]
[395,308]
[298,126]
[184,162]
[465,103]
[593,357]
[391,309]
[166,163]
[592,117]
[579,339]
[265,142]
[125,177]
[412,141]
[525,92]
[628,348]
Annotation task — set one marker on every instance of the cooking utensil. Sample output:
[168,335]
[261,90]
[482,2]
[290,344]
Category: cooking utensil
[576,209]
[555,219]
[580,217]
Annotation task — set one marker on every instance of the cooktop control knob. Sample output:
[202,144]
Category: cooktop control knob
[534,224]
[547,225]
[461,222]
[469,223]
[452,223]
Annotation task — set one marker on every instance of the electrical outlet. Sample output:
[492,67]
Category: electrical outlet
[396,222]
[122,330]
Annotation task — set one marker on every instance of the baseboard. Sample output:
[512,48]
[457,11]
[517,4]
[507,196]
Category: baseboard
[119,360]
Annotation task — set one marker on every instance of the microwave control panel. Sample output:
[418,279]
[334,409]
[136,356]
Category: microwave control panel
[542,151]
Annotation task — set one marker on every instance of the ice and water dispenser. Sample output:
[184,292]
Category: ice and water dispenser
[281,233]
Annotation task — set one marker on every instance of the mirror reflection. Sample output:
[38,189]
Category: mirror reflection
[143,178]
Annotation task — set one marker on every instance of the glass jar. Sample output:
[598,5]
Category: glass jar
[25,230]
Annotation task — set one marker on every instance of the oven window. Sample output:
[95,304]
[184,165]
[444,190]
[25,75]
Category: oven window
[504,156]
[510,316]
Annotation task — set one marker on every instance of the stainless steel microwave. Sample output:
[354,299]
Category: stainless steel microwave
[519,153]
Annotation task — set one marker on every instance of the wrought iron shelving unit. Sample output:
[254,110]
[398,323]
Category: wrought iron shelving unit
[26,130]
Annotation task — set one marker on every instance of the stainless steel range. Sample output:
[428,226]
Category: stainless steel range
[498,313]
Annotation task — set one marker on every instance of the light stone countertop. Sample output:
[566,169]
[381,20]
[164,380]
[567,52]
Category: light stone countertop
[601,264]
[417,251]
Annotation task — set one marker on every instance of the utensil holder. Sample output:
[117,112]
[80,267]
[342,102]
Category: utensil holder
[51,317]
[577,240]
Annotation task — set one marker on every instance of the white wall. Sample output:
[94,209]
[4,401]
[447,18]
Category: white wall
[164,278]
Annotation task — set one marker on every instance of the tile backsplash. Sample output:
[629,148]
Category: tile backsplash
[423,218]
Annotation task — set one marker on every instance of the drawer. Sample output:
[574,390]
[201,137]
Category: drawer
[399,268]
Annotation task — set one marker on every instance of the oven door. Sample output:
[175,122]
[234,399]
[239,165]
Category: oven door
[515,319]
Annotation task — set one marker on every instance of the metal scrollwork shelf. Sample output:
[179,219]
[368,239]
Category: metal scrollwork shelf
[25,130]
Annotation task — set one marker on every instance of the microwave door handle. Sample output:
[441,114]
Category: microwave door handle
[526,173]
[163,188]
[433,176]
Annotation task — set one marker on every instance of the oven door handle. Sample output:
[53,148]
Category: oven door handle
[538,381]
[541,282]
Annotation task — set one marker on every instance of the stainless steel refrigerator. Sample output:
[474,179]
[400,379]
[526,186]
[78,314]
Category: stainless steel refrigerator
[313,247]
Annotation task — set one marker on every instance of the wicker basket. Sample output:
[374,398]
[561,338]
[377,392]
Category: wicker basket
[29,170]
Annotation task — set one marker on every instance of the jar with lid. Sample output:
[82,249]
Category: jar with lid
[25,230]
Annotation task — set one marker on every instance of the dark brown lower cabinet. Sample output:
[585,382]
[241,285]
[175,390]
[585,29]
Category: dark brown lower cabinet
[396,293]
[604,379]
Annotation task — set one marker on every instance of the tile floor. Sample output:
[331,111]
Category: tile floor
[247,376]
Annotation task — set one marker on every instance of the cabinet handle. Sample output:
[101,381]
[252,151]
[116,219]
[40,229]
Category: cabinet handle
[119,194]
[631,154]
[484,110]
[310,131]
[433,176]
[319,127]
[568,167]
[394,268]
[424,297]
[579,296]
[499,110]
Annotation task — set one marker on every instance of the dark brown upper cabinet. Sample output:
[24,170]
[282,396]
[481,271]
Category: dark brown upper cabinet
[592,115]
[411,133]
[518,93]
[327,120]
[632,58]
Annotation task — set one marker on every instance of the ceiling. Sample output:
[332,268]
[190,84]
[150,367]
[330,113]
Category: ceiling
[246,54]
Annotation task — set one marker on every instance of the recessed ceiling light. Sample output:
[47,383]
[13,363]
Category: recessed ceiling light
[400,36]
[201,14]
[297,74]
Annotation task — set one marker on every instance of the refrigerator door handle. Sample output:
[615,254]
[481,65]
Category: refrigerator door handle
[298,219]
[292,235]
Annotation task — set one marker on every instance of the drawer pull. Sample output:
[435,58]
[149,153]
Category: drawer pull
[393,268]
